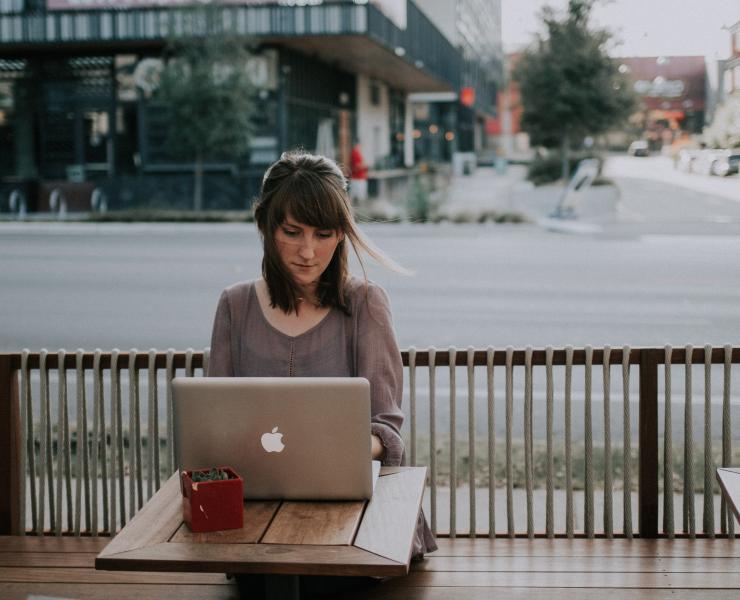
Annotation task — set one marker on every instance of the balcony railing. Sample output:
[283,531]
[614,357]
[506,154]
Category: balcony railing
[420,44]
[87,469]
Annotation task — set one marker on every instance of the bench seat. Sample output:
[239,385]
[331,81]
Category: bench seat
[578,569]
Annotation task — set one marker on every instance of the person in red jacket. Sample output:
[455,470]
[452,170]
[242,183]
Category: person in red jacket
[358,175]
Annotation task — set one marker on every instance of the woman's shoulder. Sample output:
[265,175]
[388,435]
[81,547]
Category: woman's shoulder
[363,291]
[238,292]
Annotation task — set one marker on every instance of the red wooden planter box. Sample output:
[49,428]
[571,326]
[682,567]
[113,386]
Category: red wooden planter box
[212,505]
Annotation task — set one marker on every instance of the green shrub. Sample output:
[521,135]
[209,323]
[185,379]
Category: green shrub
[548,169]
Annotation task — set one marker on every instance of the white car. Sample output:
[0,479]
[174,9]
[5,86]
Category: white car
[639,148]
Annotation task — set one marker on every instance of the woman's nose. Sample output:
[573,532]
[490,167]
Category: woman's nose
[306,249]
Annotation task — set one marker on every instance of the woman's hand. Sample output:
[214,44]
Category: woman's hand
[377,448]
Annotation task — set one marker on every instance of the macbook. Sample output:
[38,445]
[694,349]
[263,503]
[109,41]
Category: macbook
[289,438]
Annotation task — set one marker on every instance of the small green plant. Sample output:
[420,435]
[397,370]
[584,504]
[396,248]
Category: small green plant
[212,475]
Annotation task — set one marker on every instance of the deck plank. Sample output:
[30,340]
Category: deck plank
[699,548]
[584,564]
[116,591]
[90,575]
[598,580]
[393,591]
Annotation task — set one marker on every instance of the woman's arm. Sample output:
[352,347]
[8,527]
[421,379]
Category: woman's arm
[220,363]
[379,361]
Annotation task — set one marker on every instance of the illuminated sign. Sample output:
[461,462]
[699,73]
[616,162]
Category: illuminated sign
[660,88]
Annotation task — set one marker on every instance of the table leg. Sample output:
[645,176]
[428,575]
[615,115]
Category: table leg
[282,587]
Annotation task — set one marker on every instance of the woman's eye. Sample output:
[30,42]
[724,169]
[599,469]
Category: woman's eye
[290,232]
[325,234]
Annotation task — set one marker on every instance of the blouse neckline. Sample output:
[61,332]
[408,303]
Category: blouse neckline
[266,321]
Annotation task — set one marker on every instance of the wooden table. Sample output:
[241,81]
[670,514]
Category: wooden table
[729,481]
[366,538]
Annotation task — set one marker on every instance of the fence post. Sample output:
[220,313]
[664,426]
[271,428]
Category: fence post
[648,444]
[9,447]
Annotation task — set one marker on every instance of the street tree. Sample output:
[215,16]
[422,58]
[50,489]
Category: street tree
[570,88]
[209,101]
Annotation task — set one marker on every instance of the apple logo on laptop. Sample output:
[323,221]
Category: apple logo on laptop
[272,442]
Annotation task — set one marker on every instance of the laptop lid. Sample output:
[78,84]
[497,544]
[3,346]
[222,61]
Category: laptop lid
[300,438]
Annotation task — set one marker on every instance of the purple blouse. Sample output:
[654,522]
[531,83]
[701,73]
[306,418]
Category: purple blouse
[245,344]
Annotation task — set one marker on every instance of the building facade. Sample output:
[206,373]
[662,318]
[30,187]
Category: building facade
[76,79]
[672,92]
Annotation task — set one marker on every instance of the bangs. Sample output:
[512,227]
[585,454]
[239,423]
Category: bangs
[310,200]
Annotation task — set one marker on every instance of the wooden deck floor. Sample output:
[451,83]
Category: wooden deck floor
[462,568]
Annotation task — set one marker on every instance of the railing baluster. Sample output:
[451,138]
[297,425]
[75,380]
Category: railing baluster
[170,374]
[549,391]
[433,438]
[28,446]
[412,404]
[689,526]
[152,433]
[491,446]
[708,521]
[568,442]
[528,447]
[453,442]
[189,371]
[46,472]
[509,419]
[588,493]
[61,405]
[728,519]
[206,360]
[136,470]
[98,447]
[471,437]
[81,442]
[626,444]
[608,498]
[668,525]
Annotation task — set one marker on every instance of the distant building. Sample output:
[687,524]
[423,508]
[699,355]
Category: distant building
[672,92]
[729,69]
[75,80]
[460,121]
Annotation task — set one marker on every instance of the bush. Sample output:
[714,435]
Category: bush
[548,169]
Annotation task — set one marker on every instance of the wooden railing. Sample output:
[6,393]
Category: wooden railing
[96,486]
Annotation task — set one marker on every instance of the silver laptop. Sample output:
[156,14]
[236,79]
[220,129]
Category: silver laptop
[299,438]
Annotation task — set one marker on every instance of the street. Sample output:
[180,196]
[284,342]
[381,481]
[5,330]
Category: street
[156,285]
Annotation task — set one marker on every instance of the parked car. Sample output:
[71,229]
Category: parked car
[704,162]
[727,163]
[639,148]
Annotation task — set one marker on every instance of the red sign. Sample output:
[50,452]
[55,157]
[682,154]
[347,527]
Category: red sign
[467,96]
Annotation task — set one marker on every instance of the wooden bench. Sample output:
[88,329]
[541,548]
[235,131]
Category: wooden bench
[575,569]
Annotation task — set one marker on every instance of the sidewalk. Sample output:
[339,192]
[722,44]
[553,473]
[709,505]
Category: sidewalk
[488,191]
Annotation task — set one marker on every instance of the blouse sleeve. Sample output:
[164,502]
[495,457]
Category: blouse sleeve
[379,361]
[220,363]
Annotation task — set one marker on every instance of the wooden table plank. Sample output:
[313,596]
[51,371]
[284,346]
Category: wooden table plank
[687,548]
[254,558]
[257,516]
[118,591]
[566,564]
[155,523]
[729,481]
[387,532]
[575,580]
[316,523]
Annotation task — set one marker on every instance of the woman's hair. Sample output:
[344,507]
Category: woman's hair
[313,190]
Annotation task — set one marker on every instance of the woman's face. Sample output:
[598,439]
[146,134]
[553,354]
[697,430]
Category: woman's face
[305,251]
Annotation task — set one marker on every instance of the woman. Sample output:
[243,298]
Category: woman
[307,317]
